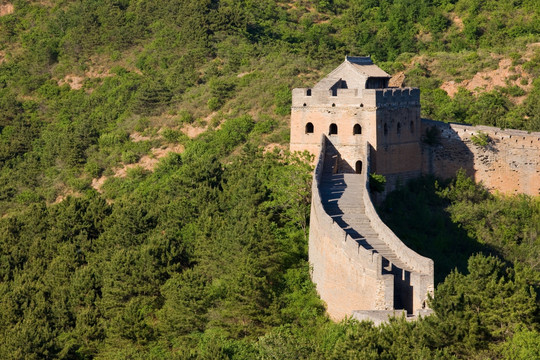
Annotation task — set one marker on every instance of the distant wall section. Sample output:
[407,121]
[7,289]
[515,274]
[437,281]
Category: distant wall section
[509,163]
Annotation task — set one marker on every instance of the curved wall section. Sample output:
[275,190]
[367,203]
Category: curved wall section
[348,276]
[349,273]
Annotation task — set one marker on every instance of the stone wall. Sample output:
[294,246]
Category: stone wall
[422,270]
[510,163]
[389,120]
[350,277]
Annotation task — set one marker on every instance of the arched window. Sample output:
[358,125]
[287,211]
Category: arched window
[309,128]
[385,129]
[412,127]
[399,128]
[357,129]
[333,129]
[308,92]
[358,167]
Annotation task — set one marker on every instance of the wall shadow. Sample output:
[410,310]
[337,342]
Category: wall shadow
[416,214]
[443,151]
[343,167]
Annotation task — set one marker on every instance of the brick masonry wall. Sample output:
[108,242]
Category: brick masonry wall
[510,163]
[348,277]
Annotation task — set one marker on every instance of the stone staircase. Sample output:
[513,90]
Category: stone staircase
[342,199]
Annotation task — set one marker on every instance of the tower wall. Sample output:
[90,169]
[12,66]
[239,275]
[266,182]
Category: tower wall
[395,155]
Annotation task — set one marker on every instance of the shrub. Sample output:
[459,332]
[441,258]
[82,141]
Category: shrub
[172,136]
[480,139]
[129,157]
[185,117]
[377,182]
[213,104]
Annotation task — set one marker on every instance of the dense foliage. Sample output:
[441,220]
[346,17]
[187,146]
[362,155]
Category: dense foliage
[204,254]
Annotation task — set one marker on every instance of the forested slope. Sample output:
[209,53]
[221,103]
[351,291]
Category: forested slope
[145,214]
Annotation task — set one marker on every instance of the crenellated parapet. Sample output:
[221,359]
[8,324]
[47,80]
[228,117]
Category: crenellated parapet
[361,98]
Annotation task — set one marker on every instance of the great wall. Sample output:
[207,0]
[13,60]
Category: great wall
[354,124]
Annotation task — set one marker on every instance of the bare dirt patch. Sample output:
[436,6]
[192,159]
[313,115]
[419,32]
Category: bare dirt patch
[457,21]
[6,9]
[137,137]
[504,75]
[270,147]
[147,162]
[192,131]
[97,183]
[76,82]
[63,196]
[397,80]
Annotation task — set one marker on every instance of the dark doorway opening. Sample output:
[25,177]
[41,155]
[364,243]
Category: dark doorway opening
[358,167]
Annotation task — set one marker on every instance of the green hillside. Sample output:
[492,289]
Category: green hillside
[149,210]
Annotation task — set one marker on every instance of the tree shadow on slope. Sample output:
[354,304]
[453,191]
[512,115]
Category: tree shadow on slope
[417,214]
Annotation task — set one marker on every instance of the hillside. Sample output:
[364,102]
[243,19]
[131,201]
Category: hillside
[148,208]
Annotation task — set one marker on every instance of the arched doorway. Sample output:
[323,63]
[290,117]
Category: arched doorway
[357,129]
[333,129]
[309,128]
[358,167]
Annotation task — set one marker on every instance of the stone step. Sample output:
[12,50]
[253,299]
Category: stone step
[342,198]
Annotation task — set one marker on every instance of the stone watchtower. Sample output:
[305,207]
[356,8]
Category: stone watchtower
[354,124]
[352,105]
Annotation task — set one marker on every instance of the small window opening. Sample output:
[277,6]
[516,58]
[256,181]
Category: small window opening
[385,129]
[308,92]
[357,129]
[411,125]
[358,167]
[333,129]
[361,105]
[309,128]
[333,105]
[399,128]
[305,104]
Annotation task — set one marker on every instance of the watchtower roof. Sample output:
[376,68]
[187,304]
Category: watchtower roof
[365,65]
[353,73]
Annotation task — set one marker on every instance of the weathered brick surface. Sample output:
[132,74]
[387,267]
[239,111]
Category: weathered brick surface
[510,163]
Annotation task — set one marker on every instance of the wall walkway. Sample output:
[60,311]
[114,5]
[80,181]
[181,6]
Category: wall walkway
[358,263]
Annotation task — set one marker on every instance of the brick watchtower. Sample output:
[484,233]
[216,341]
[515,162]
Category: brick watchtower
[352,105]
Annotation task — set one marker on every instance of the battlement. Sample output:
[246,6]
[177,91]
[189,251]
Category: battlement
[369,98]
